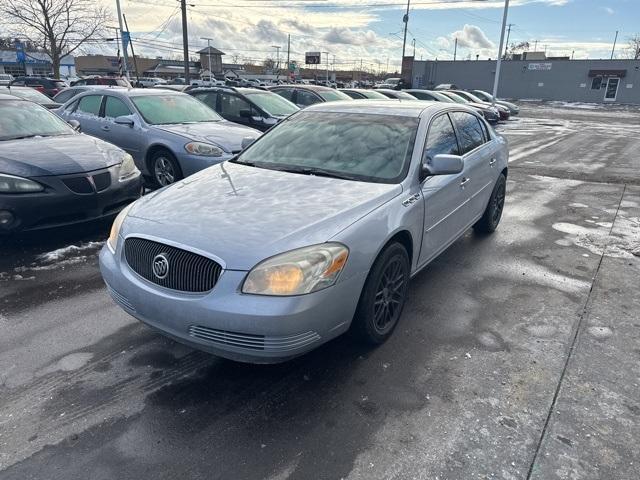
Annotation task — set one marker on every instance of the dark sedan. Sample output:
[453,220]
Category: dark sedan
[51,175]
[49,86]
[305,95]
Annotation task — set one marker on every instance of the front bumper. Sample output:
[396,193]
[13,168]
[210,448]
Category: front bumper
[59,206]
[228,323]
[190,164]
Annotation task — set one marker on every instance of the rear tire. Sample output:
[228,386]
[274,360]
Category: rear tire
[493,213]
[383,296]
[164,168]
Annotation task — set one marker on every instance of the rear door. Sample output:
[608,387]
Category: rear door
[445,212]
[129,138]
[480,160]
[88,114]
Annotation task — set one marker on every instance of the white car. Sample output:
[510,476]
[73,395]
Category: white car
[5,79]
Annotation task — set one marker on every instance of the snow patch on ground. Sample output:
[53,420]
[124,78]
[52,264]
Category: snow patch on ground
[65,252]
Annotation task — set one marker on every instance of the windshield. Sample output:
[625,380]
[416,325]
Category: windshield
[273,104]
[483,94]
[20,119]
[357,146]
[454,97]
[333,95]
[472,97]
[173,108]
[440,97]
[29,94]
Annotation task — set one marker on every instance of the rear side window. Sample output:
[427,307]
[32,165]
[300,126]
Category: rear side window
[441,138]
[208,98]
[307,98]
[90,104]
[66,95]
[470,132]
[285,93]
[114,107]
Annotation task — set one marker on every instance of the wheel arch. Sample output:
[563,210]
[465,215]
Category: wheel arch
[152,150]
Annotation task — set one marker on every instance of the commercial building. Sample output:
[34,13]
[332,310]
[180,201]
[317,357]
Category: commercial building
[593,81]
[35,63]
[105,65]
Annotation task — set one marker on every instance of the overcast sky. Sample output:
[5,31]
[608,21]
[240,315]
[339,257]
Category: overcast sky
[371,30]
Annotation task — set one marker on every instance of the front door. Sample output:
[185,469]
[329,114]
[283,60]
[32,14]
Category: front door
[129,138]
[611,92]
[445,199]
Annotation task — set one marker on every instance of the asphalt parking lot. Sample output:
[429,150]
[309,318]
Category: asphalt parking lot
[518,355]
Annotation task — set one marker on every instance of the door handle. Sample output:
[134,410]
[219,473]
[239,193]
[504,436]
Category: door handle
[492,162]
[106,128]
[464,181]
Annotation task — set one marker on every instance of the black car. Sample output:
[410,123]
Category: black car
[49,86]
[51,175]
[253,107]
[395,94]
[305,95]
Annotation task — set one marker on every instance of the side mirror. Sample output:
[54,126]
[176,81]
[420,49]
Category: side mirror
[124,120]
[442,164]
[75,124]
[246,141]
[245,113]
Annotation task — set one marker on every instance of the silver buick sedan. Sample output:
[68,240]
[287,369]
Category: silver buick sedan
[313,230]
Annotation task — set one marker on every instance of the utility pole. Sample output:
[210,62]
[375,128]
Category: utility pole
[614,45]
[133,54]
[327,79]
[124,44]
[414,48]
[572,53]
[496,80]
[506,47]
[288,55]
[405,19]
[277,47]
[535,46]
[455,48]
[185,42]
[208,56]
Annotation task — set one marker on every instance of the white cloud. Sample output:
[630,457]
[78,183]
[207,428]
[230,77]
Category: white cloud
[609,10]
[472,37]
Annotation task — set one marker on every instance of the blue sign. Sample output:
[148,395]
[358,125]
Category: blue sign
[126,38]
[20,55]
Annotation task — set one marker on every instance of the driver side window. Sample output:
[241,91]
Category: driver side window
[232,105]
[441,139]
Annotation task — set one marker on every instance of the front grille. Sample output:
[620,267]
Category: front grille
[78,184]
[102,181]
[188,271]
[251,341]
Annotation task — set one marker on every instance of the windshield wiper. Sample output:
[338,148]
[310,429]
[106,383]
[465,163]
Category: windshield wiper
[318,172]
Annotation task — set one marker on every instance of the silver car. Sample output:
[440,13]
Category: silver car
[313,230]
[170,135]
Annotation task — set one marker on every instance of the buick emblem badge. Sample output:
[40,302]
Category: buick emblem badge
[160,266]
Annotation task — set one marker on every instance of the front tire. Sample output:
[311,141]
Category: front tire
[164,168]
[383,296]
[493,213]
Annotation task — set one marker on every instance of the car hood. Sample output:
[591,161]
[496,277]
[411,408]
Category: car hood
[242,214]
[227,135]
[60,155]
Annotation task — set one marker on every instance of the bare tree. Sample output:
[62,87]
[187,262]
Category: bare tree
[634,46]
[57,27]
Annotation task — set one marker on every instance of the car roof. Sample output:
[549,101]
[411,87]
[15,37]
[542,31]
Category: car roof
[303,86]
[5,96]
[404,108]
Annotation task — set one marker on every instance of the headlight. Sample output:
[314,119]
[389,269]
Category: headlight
[203,149]
[112,241]
[297,272]
[11,184]
[128,167]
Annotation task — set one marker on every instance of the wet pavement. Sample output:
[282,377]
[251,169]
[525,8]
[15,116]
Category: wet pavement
[517,356]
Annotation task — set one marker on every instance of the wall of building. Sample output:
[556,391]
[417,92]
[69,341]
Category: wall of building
[565,80]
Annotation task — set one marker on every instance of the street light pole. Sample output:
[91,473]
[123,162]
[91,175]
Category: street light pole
[496,80]
[122,36]
[327,79]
